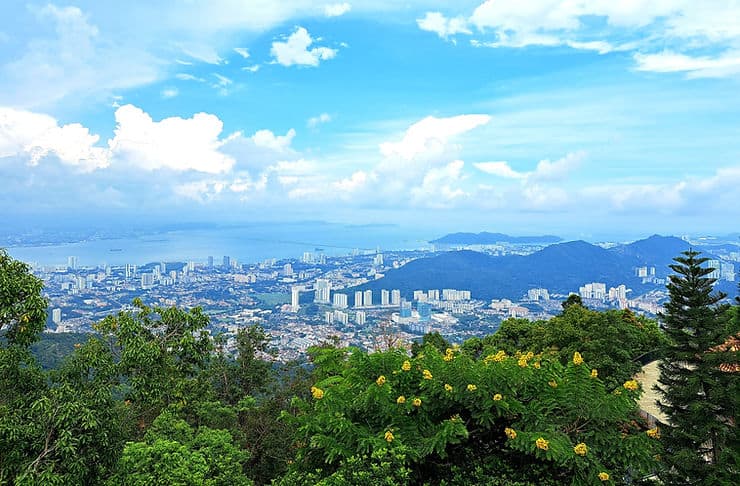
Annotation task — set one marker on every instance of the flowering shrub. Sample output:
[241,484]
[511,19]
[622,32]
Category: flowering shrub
[543,416]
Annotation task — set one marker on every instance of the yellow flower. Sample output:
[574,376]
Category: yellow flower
[448,351]
[406,366]
[448,357]
[553,383]
[448,387]
[522,362]
[542,444]
[510,433]
[581,449]
[417,402]
[401,400]
[654,433]
[537,364]
[631,385]
[497,397]
[455,418]
[577,359]
[472,388]
[380,381]
[603,476]
[317,393]
[427,374]
[389,436]
[594,373]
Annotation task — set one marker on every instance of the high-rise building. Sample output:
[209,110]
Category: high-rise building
[378,260]
[191,266]
[288,270]
[341,317]
[395,297]
[360,318]
[425,311]
[147,280]
[420,295]
[385,298]
[538,294]
[72,263]
[367,298]
[322,291]
[433,294]
[56,316]
[405,311]
[329,317]
[130,270]
[716,266]
[210,262]
[358,299]
[226,262]
[594,290]
[295,298]
[340,301]
[163,267]
[618,293]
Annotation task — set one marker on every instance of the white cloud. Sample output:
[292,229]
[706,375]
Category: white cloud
[222,84]
[179,144]
[726,64]
[252,69]
[295,50]
[189,77]
[75,60]
[545,170]
[242,51]
[314,121]
[352,183]
[438,187]
[168,93]
[278,143]
[499,169]
[337,9]
[431,135]
[35,136]
[444,27]
[202,52]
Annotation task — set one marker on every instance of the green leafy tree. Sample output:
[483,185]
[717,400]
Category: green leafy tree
[173,453]
[698,397]
[615,342]
[540,421]
[160,355]
[22,307]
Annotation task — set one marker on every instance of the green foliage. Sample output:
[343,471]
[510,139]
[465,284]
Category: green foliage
[22,308]
[614,341]
[52,347]
[161,353]
[173,453]
[434,406]
[432,339]
[699,398]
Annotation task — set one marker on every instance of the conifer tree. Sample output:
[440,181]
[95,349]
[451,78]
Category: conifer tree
[700,439]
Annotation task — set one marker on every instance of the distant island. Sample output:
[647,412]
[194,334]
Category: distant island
[486,238]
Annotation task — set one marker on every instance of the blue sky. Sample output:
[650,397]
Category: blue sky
[573,117]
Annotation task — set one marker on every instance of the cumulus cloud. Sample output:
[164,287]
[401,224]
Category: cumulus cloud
[439,187]
[278,143]
[499,169]
[175,143]
[295,50]
[337,9]
[545,170]
[314,121]
[442,26]
[35,136]
[430,135]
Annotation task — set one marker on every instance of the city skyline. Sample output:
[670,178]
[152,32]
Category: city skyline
[550,117]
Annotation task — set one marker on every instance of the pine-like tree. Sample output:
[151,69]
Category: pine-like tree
[701,443]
